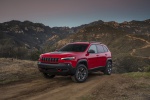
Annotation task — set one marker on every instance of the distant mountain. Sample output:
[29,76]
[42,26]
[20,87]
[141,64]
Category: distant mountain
[135,27]
[132,27]
[30,34]
[27,36]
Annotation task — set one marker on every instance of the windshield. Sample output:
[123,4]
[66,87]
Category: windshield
[74,47]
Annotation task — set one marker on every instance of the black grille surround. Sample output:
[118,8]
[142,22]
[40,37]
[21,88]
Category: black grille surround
[52,60]
[65,69]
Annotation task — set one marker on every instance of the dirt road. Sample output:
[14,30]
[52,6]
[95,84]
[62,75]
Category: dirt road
[97,87]
[145,46]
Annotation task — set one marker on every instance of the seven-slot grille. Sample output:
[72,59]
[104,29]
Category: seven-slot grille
[54,60]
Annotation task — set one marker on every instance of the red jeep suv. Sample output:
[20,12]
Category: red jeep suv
[77,60]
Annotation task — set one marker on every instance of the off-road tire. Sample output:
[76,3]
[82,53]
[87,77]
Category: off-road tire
[108,68]
[81,74]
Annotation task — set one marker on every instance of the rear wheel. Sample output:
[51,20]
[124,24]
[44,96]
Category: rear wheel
[46,75]
[81,74]
[108,68]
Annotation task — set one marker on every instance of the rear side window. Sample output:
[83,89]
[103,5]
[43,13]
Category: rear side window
[105,49]
[100,49]
[93,47]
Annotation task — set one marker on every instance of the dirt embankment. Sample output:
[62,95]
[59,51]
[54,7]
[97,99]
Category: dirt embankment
[134,86]
[12,70]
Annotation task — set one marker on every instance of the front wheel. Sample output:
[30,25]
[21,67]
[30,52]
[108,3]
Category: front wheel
[108,68]
[81,74]
[46,75]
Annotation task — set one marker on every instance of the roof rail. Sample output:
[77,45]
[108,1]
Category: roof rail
[95,42]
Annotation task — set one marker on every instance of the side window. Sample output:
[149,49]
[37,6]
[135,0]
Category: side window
[100,49]
[105,49]
[93,48]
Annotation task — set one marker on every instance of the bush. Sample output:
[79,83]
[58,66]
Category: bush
[130,64]
[35,55]
[147,69]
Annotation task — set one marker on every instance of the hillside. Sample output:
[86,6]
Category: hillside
[18,37]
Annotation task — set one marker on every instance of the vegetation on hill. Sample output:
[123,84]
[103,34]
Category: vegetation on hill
[21,39]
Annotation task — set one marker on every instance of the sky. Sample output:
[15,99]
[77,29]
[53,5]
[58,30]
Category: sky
[73,13]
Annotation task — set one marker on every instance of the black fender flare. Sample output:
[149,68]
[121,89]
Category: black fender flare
[109,59]
[82,60]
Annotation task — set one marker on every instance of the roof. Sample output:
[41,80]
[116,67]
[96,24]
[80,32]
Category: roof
[92,42]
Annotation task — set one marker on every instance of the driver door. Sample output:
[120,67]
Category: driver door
[92,57]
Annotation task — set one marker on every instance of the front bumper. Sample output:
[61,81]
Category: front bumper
[57,69]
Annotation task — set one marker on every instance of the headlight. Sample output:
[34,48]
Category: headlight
[40,57]
[68,58]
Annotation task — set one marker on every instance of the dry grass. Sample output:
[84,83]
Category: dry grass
[15,70]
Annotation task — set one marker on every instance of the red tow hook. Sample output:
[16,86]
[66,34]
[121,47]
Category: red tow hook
[59,70]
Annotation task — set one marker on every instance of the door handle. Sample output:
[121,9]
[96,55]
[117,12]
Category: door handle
[97,55]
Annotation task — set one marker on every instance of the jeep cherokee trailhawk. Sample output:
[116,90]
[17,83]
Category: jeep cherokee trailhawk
[77,60]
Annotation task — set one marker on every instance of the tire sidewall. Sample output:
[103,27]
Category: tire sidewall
[75,76]
[106,70]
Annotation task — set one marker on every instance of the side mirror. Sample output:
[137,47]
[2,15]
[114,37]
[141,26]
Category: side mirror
[91,51]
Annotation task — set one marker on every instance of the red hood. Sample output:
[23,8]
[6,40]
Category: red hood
[60,54]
